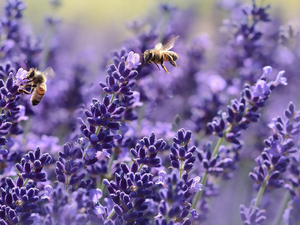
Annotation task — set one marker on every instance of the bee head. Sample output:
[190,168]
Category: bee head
[148,55]
[31,73]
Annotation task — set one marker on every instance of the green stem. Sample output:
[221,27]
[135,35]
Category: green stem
[181,168]
[199,193]
[25,182]
[216,150]
[111,215]
[261,191]
[97,130]
[140,167]
[67,181]
[204,177]
[111,159]
[112,97]
[278,217]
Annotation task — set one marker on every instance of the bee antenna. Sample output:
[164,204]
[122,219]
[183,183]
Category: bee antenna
[27,64]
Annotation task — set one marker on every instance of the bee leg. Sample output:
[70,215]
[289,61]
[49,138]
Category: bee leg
[157,66]
[24,91]
[27,92]
[163,66]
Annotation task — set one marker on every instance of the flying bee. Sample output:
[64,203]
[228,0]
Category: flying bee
[37,84]
[161,53]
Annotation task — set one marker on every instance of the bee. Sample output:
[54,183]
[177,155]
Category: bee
[19,203]
[161,53]
[37,84]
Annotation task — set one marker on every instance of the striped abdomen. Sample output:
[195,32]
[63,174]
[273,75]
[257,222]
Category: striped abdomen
[170,56]
[38,94]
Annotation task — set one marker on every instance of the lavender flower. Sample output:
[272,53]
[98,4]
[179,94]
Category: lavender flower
[68,165]
[251,215]
[243,111]
[291,215]
[280,79]
[275,158]
[129,192]
[132,61]
[119,76]
[174,196]
[181,156]
[59,210]
[124,159]
[19,200]
[20,78]
[32,164]
[145,152]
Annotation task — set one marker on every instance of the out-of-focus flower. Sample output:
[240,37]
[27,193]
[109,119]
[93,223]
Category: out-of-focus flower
[216,83]
[260,89]
[267,70]
[162,177]
[95,195]
[291,215]
[91,153]
[196,186]
[252,216]
[280,79]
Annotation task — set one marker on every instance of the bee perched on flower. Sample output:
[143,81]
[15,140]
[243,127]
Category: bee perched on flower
[36,81]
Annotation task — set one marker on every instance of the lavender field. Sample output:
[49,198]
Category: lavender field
[117,141]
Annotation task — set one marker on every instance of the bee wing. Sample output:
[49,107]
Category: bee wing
[49,72]
[169,44]
[158,46]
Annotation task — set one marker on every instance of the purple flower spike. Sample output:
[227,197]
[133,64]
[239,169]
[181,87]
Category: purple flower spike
[146,152]
[34,161]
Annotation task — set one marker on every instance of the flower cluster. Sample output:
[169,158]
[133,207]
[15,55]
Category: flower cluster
[145,152]
[129,192]
[277,156]
[181,156]
[19,199]
[244,111]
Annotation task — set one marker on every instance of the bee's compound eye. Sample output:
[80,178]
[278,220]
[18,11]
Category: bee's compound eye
[31,74]
[148,56]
